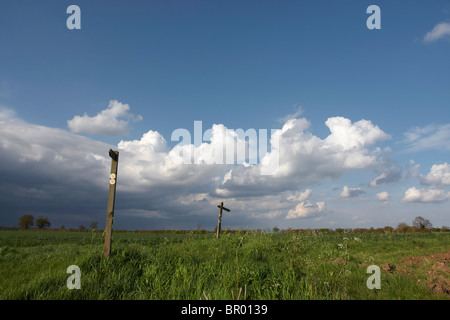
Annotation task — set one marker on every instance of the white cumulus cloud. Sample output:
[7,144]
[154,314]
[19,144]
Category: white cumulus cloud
[439,175]
[112,121]
[38,163]
[306,209]
[356,135]
[414,195]
[305,159]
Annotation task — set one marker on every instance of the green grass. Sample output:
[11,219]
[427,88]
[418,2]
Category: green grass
[198,266]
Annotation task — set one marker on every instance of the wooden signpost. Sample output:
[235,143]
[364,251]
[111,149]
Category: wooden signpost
[221,207]
[111,199]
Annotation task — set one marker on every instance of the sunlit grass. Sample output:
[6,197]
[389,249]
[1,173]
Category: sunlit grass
[247,265]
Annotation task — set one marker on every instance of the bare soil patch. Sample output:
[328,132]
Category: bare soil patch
[433,268]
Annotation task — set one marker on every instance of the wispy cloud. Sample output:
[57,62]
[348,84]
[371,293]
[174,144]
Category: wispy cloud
[351,192]
[383,196]
[296,114]
[390,175]
[440,31]
[300,196]
[431,137]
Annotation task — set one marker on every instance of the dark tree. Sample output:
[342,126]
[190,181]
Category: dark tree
[422,223]
[402,227]
[82,228]
[42,223]
[26,221]
[94,225]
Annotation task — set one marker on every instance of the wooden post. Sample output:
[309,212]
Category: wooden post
[111,199]
[221,207]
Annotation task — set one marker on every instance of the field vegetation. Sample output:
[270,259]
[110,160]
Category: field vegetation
[242,264]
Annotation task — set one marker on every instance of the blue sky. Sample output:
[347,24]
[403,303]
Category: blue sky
[161,65]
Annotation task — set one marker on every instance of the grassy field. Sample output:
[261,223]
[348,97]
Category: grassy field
[198,266]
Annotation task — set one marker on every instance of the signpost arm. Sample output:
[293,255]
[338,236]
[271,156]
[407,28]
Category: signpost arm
[219,223]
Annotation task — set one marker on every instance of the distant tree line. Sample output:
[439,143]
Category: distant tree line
[27,221]
[419,224]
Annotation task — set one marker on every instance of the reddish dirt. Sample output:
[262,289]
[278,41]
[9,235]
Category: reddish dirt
[338,261]
[434,268]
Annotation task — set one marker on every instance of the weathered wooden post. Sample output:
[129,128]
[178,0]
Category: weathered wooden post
[220,218]
[111,199]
